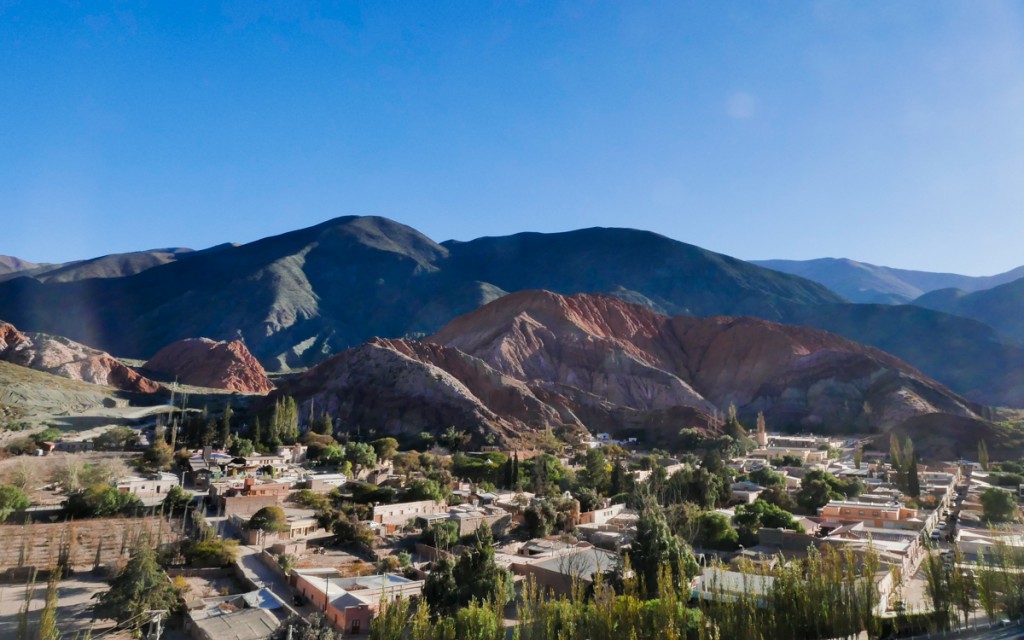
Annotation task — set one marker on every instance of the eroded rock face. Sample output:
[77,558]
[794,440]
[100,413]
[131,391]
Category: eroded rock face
[9,336]
[636,359]
[207,363]
[69,359]
[535,360]
[406,386]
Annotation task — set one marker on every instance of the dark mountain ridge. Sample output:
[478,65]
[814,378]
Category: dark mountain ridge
[298,297]
[302,295]
[1000,307]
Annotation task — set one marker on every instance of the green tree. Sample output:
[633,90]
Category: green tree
[425,490]
[895,453]
[913,480]
[351,531]
[539,519]
[516,471]
[12,499]
[158,456]
[655,547]
[361,455]
[818,487]
[454,439]
[242,447]
[140,587]
[101,501]
[257,432]
[621,481]
[767,478]
[209,550]
[442,535]
[998,505]
[177,499]
[750,518]
[597,472]
[116,439]
[440,590]
[270,519]
[477,574]
[322,425]
[983,454]
[385,448]
[224,435]
[715,532]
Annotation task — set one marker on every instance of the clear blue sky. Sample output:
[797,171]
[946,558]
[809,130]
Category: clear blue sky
[890,132]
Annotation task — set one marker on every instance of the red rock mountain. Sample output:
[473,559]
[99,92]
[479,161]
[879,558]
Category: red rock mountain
[534,359]
[66,358]
[207,363]
[636,358]
[402,385]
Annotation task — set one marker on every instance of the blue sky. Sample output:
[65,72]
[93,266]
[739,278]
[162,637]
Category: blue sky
[886,132]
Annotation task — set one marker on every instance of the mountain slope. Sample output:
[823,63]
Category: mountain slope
[634,357]
[62,357]
[868,283]
[298,297]
[534,360]
[1000,307]
[10,264]
[964,354]
[207,363]
[399,386]
[115,265]
[667,275]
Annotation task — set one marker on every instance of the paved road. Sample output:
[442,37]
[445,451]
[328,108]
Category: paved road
[257,571]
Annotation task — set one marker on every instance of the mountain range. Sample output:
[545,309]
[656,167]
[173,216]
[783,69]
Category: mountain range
[869,283]
[536,360]
[299,297]
[1000,307]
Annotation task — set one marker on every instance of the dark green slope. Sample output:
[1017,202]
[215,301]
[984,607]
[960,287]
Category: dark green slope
[1000,307]
[965,355]
[670,276]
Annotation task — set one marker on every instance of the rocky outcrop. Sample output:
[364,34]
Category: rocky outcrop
[9,336]
[399,386]
[637,360]
[535,360]
[207,363]
[69,359]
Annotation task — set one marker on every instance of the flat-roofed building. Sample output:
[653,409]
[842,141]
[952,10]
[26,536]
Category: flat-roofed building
[884,516]
[392,516]
[150,485]
[349,604]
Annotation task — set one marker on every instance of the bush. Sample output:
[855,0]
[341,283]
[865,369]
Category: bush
[100,501]
[210,551]
[116,439]
[311,500]
[11,499]
[999,505]
[1008,479]
[22,446]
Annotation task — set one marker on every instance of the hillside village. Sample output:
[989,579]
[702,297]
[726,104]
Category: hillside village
[256,543]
